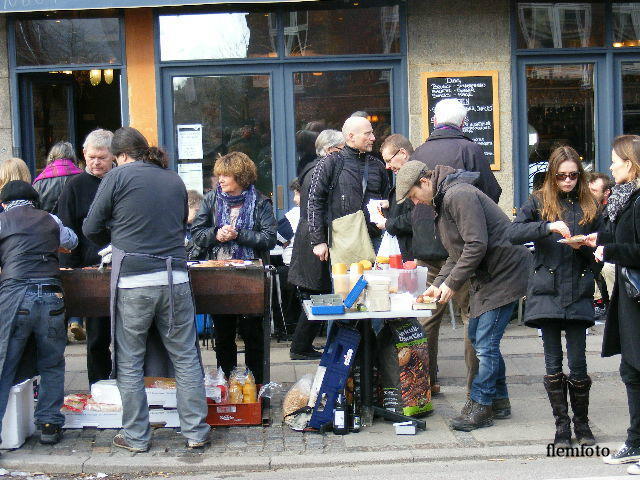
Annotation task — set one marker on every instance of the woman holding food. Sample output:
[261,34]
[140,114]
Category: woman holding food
[617,243]
[236,221]
[561,285]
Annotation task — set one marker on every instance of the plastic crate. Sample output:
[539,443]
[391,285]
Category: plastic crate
[338,357]
[18,422]
[234,414]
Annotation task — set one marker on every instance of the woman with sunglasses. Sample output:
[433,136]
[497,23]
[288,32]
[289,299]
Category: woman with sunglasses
[561,285]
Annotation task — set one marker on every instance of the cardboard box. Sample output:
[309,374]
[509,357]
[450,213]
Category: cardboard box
[87,418]
[160,397]
[18,422]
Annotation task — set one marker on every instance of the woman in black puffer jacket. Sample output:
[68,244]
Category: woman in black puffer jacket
[236,221]
[561,285]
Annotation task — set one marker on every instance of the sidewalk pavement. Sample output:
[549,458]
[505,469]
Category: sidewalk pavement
[526,434]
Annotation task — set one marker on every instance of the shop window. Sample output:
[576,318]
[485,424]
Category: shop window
[560,111]
[217,36]
[231,113]
[631,97]
[324,98]
[626,24]
[342,32]
[560,25]
[66,41]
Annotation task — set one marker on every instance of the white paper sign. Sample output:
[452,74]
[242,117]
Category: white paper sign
[191,175]
[190,142]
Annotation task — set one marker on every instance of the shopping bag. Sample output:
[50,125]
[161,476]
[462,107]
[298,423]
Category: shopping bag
[350,241]
[388,246]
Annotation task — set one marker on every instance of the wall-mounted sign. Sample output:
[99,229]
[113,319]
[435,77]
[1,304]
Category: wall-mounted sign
[478,91]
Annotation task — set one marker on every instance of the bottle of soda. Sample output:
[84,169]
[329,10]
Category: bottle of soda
[340,426]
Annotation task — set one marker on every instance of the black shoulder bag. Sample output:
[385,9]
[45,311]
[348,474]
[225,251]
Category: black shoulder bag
[631,276]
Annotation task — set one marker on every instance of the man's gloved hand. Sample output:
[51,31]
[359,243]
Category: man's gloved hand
[105,253]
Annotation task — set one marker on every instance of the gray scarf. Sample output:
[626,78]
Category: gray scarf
[620,195]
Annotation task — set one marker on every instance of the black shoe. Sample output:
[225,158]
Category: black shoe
[501,408]
[579,397]
[313,355]
[625,454]
[50,434]
[556,387]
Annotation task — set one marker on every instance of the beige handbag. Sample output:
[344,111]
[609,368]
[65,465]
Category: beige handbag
[350,241]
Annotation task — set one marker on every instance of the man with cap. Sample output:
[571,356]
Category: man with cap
[32,301]
[474,231]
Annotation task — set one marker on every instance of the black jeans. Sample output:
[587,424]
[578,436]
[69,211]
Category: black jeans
[576,337]
[251,331]
[98,352]
[306,331]
[631,379]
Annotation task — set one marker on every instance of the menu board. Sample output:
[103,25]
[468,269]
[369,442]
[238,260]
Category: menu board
[478,91]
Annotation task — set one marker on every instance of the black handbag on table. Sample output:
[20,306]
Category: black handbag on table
[631,276]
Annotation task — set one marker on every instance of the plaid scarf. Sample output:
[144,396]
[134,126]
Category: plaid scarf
[19,203]
[224,202]
[620,195]
[60,167]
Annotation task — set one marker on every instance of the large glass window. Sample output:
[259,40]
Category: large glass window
[214,115]
[560,25]
[341,32]
[65,41]
[560,111]
[626,24]
[325,99]
[631,97]
[217,35]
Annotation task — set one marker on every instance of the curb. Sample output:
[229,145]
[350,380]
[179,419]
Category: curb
[212,463]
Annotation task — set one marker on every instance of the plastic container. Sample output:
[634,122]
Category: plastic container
[408,282]
[378,297]
[422,279]
[391,275]
[341,285]
[18,422]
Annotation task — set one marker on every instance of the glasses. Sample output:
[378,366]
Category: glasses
[391,158]
[563,176]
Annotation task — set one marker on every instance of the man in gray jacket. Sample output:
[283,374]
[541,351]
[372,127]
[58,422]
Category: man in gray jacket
[473,230]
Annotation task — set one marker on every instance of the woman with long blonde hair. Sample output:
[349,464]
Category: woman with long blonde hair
[561,285]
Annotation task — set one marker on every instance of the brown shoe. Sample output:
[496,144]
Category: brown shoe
[478,416]
[191,444]
[435,389]
[120,442]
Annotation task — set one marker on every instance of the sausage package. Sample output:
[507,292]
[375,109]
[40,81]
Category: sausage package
[403,358]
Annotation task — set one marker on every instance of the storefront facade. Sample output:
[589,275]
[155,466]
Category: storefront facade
[203,78]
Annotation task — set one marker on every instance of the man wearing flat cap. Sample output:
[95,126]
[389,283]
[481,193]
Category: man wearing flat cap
[32,301]
[474,231]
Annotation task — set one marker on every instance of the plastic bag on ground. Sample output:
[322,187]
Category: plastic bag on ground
[298,396]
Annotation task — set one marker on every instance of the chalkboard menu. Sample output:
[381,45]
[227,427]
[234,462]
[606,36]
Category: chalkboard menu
[478,91]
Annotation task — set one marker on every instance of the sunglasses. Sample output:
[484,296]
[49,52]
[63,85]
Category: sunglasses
[563,176]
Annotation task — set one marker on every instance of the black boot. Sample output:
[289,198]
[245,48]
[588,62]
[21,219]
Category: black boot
[556,387]
[579,395]
[473,416]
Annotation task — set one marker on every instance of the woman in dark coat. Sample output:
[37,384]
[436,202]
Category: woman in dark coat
[561,285]
[618,244]
[236,221]
[307,271]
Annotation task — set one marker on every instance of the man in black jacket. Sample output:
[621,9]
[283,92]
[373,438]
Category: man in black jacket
[396,150]
[347,197]
[73,207]
[447,145]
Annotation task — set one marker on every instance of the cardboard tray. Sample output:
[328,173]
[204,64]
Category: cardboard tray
[157,416]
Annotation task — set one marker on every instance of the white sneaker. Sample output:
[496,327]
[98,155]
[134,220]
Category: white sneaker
[634,469]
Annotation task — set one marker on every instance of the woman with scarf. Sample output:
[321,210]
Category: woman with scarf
[617,243]
[561,285]
[236,221]
[61,166]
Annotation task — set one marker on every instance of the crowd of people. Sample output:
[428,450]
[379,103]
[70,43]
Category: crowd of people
[579,229]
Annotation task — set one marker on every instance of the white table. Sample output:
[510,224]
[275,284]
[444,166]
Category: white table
[366,333]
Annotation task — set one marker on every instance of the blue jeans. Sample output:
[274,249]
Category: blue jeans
[485,333]
[42,314]
[137,309]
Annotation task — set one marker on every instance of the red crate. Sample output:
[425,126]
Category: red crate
[228,414]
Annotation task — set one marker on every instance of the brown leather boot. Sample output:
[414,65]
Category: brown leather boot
[579,396]
[478,416]
[556,386]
